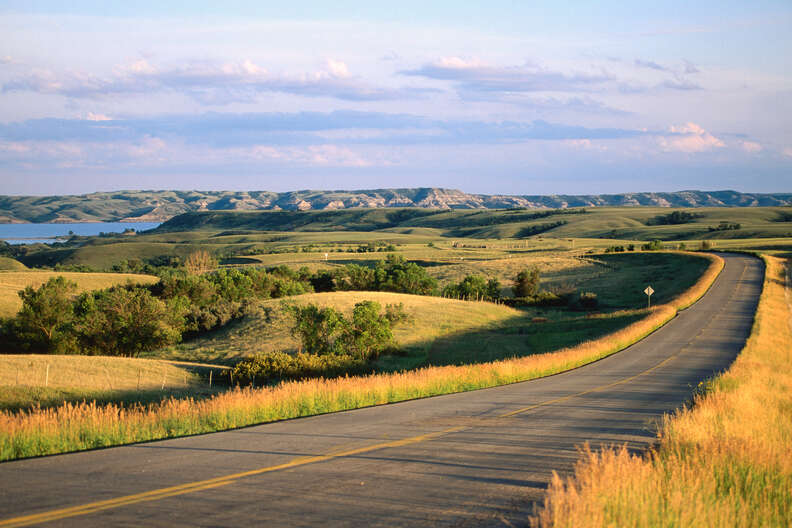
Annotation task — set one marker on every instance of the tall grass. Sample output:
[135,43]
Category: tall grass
[87,425]
[726,461]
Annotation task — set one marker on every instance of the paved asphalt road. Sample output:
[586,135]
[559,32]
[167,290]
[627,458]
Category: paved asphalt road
[474,458]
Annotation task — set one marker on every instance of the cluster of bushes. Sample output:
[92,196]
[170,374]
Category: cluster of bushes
[725,226]
[128,320]
[620,249]
[330,343]
[474,287]
[675,218]
[394,274]
[654,245]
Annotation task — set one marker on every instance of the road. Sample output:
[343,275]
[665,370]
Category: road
[481,457]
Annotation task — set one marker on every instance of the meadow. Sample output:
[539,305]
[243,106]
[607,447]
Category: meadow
[723,461]
[242,237]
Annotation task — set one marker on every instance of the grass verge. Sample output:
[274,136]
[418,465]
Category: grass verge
[725,461]
[74,427]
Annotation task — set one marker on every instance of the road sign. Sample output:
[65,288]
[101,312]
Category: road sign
[649,291]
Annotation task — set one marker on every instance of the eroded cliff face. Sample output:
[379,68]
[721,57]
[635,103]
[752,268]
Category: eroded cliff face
[158,206]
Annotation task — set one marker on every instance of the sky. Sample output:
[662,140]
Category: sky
[496,97]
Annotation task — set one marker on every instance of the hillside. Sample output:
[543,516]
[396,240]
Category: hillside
[158,206]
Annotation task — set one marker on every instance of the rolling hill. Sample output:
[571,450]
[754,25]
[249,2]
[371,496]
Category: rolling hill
[159,206]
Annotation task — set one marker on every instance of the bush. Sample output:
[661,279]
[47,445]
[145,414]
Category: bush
[126,322]
[526,284]
[474,287]
[277,366]
[588,300]
[654,245]
[325,331]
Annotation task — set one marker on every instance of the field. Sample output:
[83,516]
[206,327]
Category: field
[725,461]
[12,282]
[305,237]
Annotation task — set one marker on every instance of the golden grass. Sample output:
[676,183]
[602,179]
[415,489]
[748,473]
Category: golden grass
[726,461]
[13,281]
[9,264]
[73,427]
[91,372]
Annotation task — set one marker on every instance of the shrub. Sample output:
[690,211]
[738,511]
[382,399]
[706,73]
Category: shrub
[325,331]
[588,300]
[474,287]
[277,366]
[654,245]
[126,322]
[526,284]
[199,262]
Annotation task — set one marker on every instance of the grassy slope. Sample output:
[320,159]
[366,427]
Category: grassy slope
[27,380]
[13,281]
[724,462]
[9,264]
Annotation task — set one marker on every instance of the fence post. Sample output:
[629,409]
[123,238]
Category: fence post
[210,378]
[138,382]
[46,378]
[164,374]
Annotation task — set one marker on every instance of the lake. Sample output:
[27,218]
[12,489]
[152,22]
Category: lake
[47,233]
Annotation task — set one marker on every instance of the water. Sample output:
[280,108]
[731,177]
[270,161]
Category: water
[48,233]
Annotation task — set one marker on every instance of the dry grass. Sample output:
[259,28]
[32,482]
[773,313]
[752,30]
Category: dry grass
[83,426]
[13,281]
[90,372]
[726,461]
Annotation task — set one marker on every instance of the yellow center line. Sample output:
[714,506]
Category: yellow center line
[216,482]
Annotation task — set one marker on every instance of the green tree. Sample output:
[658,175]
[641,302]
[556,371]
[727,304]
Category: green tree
[526,284]
[47,311]
[126,322]
[369,332]
[318,329]
[395,274]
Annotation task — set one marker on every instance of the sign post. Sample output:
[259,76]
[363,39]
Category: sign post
[649,291]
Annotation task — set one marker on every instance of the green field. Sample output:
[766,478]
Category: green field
[297,238]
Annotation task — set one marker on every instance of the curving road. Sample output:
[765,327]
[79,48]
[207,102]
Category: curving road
[473,458]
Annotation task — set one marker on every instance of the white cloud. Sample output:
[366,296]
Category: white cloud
[751,146]
[337,68]
[97,117]
[689,138]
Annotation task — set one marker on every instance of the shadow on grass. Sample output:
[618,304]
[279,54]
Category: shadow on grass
[22,397]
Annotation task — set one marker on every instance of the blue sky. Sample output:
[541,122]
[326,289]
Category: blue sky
[493,97]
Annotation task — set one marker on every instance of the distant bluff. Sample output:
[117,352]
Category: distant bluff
[159,206]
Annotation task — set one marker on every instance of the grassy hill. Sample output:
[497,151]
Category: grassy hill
[47,380]
[443,331]
[9,264]
[13,281]
[159,206]
[638,223]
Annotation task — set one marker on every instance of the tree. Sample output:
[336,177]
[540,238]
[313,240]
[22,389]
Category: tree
[199,262]
[126,322]
[526,284]
[369,332]
[317,328]
[47,311]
